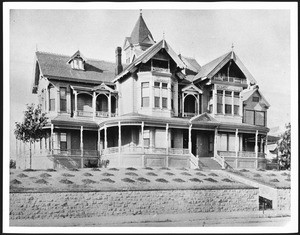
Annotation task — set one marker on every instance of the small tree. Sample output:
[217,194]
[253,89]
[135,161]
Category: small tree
[31,129]
[284,148]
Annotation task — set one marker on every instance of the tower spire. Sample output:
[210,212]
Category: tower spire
[141,13]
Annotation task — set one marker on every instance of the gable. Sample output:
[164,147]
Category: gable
[192,88]
[204,117]
[253,99]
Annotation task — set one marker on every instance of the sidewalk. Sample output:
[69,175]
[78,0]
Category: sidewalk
[142,220]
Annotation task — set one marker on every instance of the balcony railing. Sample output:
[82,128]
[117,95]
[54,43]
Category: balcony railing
[189,115]
[82,113]
[178,151]
[230,79]
[158,69]
[102,114]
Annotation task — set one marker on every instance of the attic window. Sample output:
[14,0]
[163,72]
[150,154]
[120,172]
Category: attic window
[255,99]
[77,63]
[160,65]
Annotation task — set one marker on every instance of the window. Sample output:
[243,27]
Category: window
[249,117]
[156,84]
[255,99]
[164,85]
[145,94]
[228,93]
[172,94]
[165,102]
[259,118]
[228,109]
[156,102]
[63,99]
[236,109]
[52,94]
[161,65]
[211,143]
[236,94]
[146,138]
[210,108]
[63,141]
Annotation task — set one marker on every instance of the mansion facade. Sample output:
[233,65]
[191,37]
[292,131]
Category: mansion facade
[152,107]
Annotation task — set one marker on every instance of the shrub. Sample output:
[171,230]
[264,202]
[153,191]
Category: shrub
[197,169]
[127,180]
[50,170]
[108,180]
[284,174]
[244,170]
[178,180]
[227,180]
[151,174]
[274,180]
[131,174]
[87,174]
[183,169]
[113,169]
[74,169]
[28,170]
[67,175]
[91,164]
[65,181]
[12,164]
[200,174]
[22,175]
[142,179]
[211,180]
[107,174]
[148,168]
[256,175]
[103,163]
[185,173]
[161,180]
[212,174]
[95,169]
[165,168]
[45,175]
[196,180]
[169,173]
[131,169]
[15,181]
[88,181]
[261,169]
[271,174]
[41,181]
[288,179]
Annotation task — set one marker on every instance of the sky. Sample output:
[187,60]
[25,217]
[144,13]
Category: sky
[261,39]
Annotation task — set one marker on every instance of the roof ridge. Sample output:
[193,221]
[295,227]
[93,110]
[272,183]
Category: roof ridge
[89,59]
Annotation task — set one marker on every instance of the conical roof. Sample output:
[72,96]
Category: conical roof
[141,33]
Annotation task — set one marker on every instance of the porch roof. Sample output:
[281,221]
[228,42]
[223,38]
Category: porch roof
[242,127]
[74,123]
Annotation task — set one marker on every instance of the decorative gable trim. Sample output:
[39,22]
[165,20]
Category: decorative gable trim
[204,117]
[104,87]
[193,88]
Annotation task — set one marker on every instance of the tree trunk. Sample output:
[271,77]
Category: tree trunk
[30,154]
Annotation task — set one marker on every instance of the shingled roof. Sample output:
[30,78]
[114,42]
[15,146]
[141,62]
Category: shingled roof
[141,33]
[210,69]
[191,63]
[56,66]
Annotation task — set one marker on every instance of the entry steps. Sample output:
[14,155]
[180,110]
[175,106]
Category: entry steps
[207,163]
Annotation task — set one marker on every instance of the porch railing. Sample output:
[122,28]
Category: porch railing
[145,150]
[102,114]
[194,161]
[82,113]
[178,151]
[245,154]
[75,152]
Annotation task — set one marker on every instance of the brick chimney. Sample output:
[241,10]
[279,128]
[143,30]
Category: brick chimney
[119,67]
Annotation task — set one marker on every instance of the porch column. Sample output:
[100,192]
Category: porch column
[81,145]
[256,146]
[198,103]
[94,105]
[169,96]
[216,142]
[261,144]
[232,103]
[105,137]
[223,101]
[142,134]
[51,138]
[266,144]
[75,108]
[109,105]
[183,104]
[190,138]
[214,98]
[99,142]
[167,138]
[240,106]
[119,142]
[47,107]
[236,147]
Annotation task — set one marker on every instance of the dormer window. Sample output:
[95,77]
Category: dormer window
[77,61]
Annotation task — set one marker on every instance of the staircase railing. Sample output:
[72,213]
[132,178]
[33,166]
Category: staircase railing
[221,161]
[194,161]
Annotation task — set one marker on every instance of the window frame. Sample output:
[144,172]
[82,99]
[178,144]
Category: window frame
[61,99]
[145,104]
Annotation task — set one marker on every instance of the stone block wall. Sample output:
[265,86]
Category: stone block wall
[91,204]
[284,199]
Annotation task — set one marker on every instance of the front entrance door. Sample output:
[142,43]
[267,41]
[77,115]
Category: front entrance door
[204,144]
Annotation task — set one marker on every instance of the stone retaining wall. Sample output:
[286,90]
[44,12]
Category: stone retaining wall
[90,204]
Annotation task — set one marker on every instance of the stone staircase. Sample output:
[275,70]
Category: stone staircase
[207,163]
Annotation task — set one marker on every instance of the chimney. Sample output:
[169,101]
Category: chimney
[119,67]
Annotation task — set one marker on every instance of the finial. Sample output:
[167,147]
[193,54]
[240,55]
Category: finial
[232,46]
[163,34]
[141,12]
[36,47]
